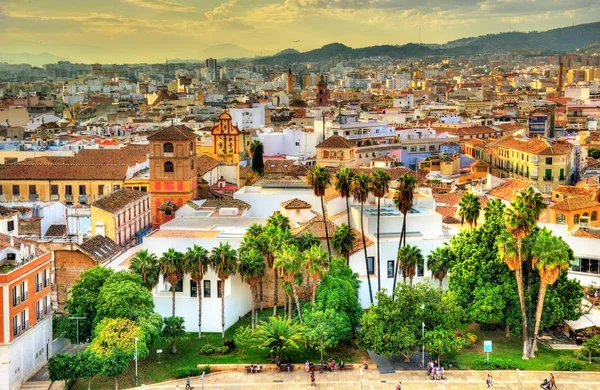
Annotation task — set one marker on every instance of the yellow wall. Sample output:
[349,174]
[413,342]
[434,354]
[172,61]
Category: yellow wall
[137,184]
[43,188]
[99,215]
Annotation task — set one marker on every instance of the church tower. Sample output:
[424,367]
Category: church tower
[225,139]
[289,82]
[322,93]
[173,177]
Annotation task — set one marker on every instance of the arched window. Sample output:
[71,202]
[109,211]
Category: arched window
[560,219]
[594,216]
[169,167]
[585,214]
[168,147]
[192,163]
[168,212]
[576,219]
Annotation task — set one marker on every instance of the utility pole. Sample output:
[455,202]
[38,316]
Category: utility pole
[77,319]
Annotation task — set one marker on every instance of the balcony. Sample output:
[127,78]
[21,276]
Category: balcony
[38,287]
[534,177]
[83,199]
[24,296]
[16,301]
[46,282]
[40,315]
[68,198]
[548,178]
[33,197]
[562,178]
[54,197]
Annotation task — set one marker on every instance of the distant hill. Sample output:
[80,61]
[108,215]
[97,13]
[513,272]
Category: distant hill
[557,40]
[287,51]
[227,50]
[31,59]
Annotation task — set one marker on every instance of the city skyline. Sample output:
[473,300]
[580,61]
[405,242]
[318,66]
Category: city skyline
[106,32]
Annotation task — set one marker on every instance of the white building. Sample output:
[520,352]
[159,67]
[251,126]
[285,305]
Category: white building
[294,142]
[248,118]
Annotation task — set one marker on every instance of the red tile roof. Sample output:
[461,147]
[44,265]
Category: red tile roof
[575,203]
[294,204]
[336,142]
[507,191]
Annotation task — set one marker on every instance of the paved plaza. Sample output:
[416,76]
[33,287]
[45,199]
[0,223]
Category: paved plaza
[372,380]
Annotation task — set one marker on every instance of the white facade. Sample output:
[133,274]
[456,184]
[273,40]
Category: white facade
[248,118]
[290,142]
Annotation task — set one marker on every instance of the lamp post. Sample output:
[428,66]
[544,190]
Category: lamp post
[77,320]
[135,339]
[423,339]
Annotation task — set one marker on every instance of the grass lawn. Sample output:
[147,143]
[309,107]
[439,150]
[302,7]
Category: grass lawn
[150,371]
[511,349]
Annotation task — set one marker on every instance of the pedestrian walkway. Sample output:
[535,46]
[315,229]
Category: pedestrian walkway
[382,363]
[372,380]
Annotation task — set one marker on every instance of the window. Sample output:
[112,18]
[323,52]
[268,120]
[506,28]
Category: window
[178,285]
[168,167]
[390,268]
[421,148]
[548,160]
[576,219]
[560,219]
[413,148]
[15,325]
[192,162]
[15,296]
[193,288]
[144,189]
[82,190]
[371,265]
[100,189]
[16,190]
[219,284]
[38,284]
[32,190]
[68,190]
[432,148]
[23,291]
[116,187]
[24,322]
[207,289]
[168,147]
[168,212]
[420,269]
[10,226]
[46,304]
[594,216]
[38,310]
[589,266]
[54,189]
[297,143]
[46,279]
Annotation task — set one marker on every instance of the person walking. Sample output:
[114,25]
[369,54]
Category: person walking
[489,381]
[312,379]
[399,386]
[188,384]
[552,382]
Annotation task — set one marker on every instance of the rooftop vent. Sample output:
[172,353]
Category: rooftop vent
[230,211]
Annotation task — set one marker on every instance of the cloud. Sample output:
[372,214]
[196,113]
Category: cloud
[222,11]
[162,5]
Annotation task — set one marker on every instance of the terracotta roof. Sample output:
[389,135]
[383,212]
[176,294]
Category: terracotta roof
[101,248]
[509,190]
[448,214]
[119,200]
[336,142]
[575,203]
[537,146]
[316,226]
[384,159]
[63,172]
[5,242]
[589,181]
[479,163]
[173,133]
[571,190]
[585,234]
[7,211]
[205,164]
[226,203]
[278,166]
[295,204]
[129,155]
[56,231]
[193,205]
[244,171]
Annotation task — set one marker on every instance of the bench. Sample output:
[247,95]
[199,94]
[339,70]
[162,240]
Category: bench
[348,366]
[257,368]
[283,368]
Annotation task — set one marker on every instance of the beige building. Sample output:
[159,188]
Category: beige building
[336,151]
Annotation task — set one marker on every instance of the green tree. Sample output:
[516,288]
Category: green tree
[438,262]
[494,209]
[244,339]
[115,365]
[325,329]
[380,186]
[315,263]
[172,266]
[256,149]
[118,333]
[343,241]
[274,238]
[319,179]
[63,367]
[252,269]
[172,330]
[410,257]
[361,185]
[592,346]
[440,342]
[124,299]
[279,220]
[145,264]
[89,366]
[255,230]
[469,208]
[223,259]
[278,336]
[82,302]
[343,185]
[288,265]
[305,241]
[403,200]
[594,153]
[197,263]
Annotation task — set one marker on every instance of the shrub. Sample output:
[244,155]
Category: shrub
[209,349]
[495,364]
[447,364]
[205,370]
[184,372]
[230,344]
[568,365]
[471,337]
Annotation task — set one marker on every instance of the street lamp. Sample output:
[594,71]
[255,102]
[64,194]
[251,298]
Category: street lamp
[423,339]
[135,339]
[77,319]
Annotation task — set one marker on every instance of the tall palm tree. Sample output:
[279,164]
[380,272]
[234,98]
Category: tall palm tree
[254,230]
[550,258]
[288,265]
[380,185]
[306,241]
[223,259]
[343,185]
[438,262]
[403,200]
[279,220]
[494,209]
[145,264]
[274,238]
[252,269]
[319,179]
[172,265]
[343,241]
[469,208]
[410,257]
[520,221]
[315,263]
[254,238]
[361,184]
[534,201]
[196,263]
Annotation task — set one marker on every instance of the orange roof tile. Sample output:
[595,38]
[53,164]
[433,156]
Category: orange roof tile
[295,204]
[575,203]
[507,191]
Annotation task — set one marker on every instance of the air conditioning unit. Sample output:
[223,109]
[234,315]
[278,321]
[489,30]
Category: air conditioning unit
[231,211]
[584,221]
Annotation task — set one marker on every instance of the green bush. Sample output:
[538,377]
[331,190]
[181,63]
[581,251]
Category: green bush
[568,365]
[205,370]
[495,364]
[209,349]
[184,372]
[452,364]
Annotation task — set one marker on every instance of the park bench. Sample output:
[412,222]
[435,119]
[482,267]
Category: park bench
[257,368]
[283,368]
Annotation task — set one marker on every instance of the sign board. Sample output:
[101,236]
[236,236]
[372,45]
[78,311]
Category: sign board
[159,351]
[487,346]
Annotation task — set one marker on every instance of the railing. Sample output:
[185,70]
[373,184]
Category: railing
[38,287]
[16,301]
[33,196]
[546,178]
[69,198]
[561,178]
[54,197]
[25,325]
[46,282]
[24,296]
[83,198]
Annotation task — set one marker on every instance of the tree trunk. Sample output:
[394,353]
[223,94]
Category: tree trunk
[308,287]
[507,331]
[173,347]
[261,294]
[410,280]
[378,247]
[297,302]
[362,231]
[253,293]
[531,337]
[222,308]
[348,212]
[275,292]
[538,315]
[314,293]
[116,383]
[519,277]
[326,230]
[199,308]
[173,298]
[89,383]
[441,279]
[290,307]
[402,233]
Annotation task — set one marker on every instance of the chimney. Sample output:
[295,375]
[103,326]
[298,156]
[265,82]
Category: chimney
[560,79]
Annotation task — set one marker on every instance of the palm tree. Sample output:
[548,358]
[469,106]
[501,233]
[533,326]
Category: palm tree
[403,200]
[279,220]
[469,208]
[256,149]
[196,263]
[550,258]
[278,336]
[361,185]
[494,209]
[254,230]
[252,270]
[223,259]
[343,241]
[343,185]
[438,262]
[410,257]
[306,241]
[519,221]
[315,263]
[274,238]
[380,185]
[145,264]
[287,264]
[172,266]
[319,179]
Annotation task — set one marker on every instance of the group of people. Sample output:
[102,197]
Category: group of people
[489,381]
[255,368]
[288,366]
[549,383]
[435,371]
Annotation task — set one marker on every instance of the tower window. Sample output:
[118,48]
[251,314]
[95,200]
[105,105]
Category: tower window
[168,212]
[168,166]
[168,147]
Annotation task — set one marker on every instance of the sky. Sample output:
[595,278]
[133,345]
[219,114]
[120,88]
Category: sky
[130,31]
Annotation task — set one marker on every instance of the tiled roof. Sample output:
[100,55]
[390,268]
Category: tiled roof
[56,231]
[101,248]
[384,159]
[5,242]
[63,172]
[119,200]
[509,190]
[226,203]
[575,203]
[7,211]
[316,226]
[448,214]
[129,155]
[278,166]
[296,203]
[589,181]
[205,164]
[173,133]
[336,142]
[573,190]
[537,146]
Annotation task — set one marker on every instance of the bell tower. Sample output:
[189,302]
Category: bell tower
[289,82]
[225,138]
[322,92]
